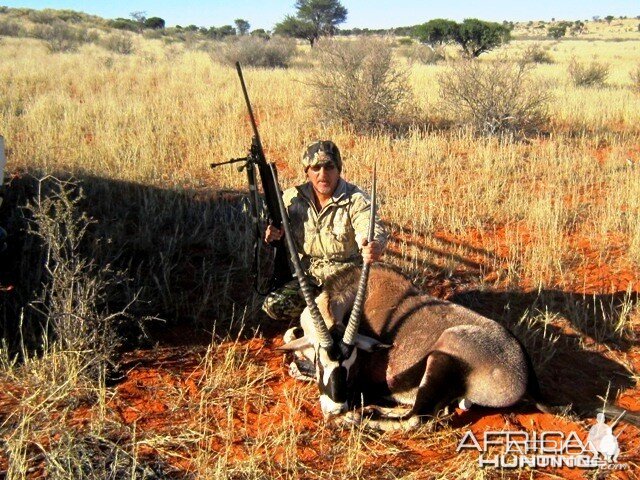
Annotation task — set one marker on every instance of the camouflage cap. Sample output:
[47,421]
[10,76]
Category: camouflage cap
[320,152]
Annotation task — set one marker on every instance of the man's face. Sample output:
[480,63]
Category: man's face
[324,178]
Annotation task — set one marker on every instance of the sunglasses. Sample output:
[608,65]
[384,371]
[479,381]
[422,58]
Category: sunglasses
[327,166]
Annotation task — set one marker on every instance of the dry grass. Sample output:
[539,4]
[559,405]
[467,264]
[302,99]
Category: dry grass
[139,131]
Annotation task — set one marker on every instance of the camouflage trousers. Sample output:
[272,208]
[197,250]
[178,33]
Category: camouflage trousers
[286,303]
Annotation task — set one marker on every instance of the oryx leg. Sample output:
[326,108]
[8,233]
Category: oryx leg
[442,383]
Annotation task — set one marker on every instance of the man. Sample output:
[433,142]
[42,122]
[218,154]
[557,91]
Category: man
[329,220]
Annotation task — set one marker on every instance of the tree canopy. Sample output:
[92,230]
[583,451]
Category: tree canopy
[557,31]
[156,23]
[474,36]
[294,27]
[435,32]
[242,26]
[477,36]
[313,19]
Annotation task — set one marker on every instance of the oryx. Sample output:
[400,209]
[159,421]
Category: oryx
[402,345]
[410,348]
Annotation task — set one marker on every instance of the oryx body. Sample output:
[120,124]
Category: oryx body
[433,351]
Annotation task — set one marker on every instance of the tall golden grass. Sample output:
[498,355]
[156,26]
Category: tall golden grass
[160,116]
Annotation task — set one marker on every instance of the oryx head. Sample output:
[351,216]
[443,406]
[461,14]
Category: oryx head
[336,364]
[335,349]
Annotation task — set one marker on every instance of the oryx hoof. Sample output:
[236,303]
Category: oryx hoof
[350,418]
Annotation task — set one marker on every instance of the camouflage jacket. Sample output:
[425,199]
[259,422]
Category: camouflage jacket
[329,240]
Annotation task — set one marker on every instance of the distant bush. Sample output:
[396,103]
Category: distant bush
[588,75]
[10,29]
[405,41]
[260,33]
[425,54]
[124,24]
[557,31]
[536,54]
[358,83]
[70,16]
[60,37]
[42,17]
[119,43]
[155,23]
[4,9]
[153,34]
[49,16]
[496,98]
[256,52]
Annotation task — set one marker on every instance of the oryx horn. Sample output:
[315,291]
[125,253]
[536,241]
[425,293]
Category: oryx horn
[324,337]
[351,331]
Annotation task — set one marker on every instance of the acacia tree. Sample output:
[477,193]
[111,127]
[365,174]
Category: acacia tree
[156,23]
[435,32]
[139,17]
[314,19]
[296,28]
[477,36]
[242,26]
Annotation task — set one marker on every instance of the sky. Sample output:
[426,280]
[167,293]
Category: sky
[362,13]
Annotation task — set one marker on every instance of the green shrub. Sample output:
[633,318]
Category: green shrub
[153,34]
[42,17]
[358,83]
[588,75]
[557,31]
[119,43]
[155,23]
[425,54]
[494,98]
[60,37]
[536,54]
[10,29]
[124,24]
[256,52]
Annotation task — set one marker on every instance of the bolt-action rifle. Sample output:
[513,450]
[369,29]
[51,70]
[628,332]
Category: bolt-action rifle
[281,271]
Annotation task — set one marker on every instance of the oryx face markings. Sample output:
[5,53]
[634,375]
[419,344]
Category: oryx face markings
[334,372]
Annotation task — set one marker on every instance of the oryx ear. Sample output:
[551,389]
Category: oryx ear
[369,344]
[297,344]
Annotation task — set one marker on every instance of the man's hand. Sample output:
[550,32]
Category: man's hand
[371,252]
[273,234]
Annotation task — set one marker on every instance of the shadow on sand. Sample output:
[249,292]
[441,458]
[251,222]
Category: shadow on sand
[187,255]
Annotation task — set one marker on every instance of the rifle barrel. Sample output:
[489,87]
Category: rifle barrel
[248,102]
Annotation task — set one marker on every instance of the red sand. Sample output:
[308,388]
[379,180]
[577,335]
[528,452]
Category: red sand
[162,387]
